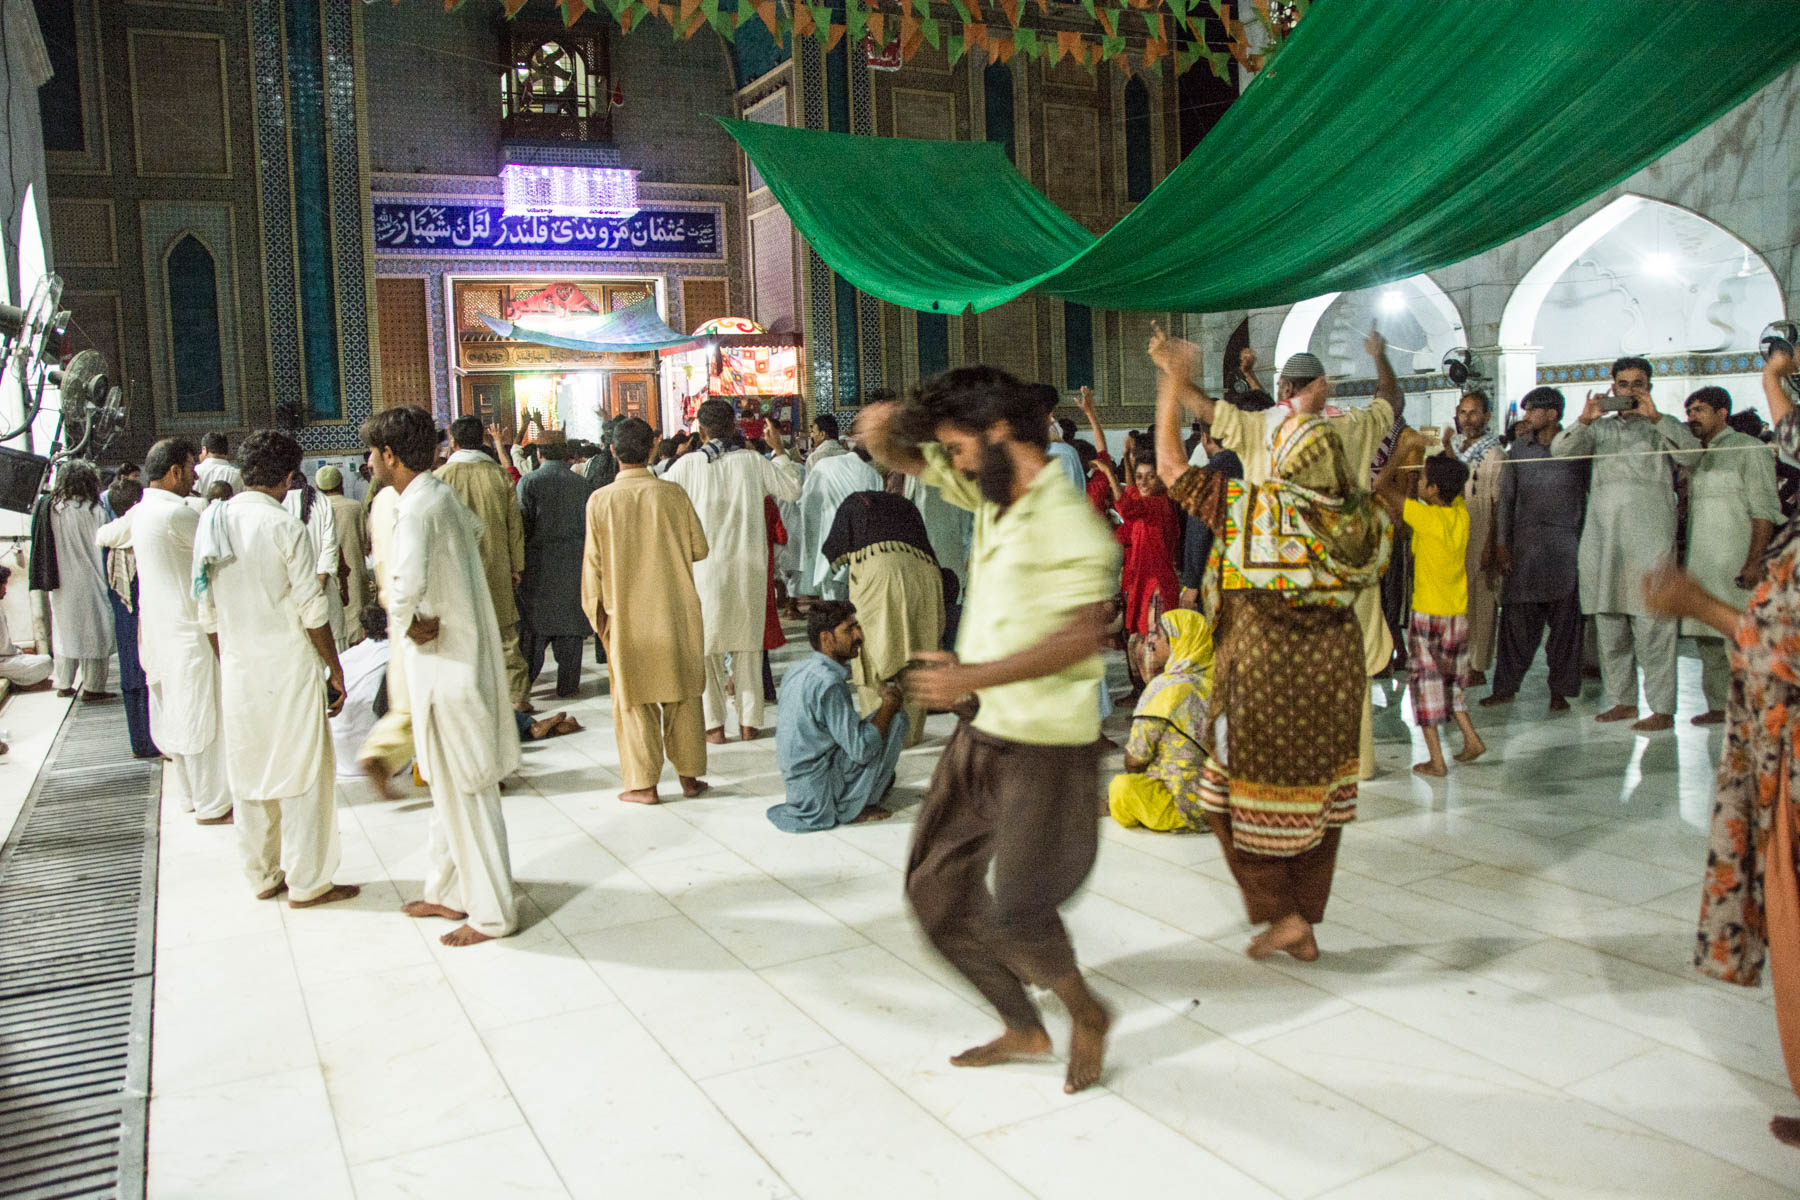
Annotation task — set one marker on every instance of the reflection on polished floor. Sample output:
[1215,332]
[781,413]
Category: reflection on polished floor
[701,1006]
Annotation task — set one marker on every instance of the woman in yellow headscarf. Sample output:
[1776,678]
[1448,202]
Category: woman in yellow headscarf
[1160,789]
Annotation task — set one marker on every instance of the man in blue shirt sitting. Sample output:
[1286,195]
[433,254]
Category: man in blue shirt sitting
[836,765]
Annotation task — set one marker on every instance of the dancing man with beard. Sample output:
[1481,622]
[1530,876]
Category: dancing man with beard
[1016,786]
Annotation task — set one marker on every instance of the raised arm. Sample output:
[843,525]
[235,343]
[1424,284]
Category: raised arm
[1387,384]
[874,428]
[1179,363]
[1086,404]
[1776,370]
[1247,368]
[1390,487]
[1171,463]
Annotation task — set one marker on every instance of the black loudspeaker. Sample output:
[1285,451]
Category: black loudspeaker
[21,478]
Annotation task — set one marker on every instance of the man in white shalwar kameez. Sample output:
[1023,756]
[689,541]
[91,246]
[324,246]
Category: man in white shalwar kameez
[444,627]
[1629,529]
[389,745]
[24,671]
[180,665]
[257,584]
[820,497]
[727,481]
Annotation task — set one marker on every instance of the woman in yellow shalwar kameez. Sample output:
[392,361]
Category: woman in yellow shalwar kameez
[1160,789]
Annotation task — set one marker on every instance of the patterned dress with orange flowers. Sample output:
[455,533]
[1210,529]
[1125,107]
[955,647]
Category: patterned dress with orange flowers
[1757,770]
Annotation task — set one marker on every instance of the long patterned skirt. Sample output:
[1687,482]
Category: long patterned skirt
[1289,684]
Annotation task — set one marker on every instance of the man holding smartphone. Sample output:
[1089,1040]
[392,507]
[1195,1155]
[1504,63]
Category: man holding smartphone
[1630,528]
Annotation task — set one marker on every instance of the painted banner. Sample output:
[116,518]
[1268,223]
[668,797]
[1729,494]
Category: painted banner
[454,226]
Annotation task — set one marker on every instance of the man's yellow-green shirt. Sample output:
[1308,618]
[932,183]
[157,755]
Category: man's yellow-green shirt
[1033,566]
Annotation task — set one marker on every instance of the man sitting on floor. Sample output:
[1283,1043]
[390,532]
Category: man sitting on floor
[835,764]
[26,672]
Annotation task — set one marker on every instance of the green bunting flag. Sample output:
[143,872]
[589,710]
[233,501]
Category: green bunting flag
[953,47]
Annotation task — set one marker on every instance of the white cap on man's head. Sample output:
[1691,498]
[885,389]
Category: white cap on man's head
[1302,367]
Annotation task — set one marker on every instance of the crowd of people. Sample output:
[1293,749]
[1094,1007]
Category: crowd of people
[961,550]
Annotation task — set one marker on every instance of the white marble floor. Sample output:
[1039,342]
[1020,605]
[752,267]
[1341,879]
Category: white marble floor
[700,1006]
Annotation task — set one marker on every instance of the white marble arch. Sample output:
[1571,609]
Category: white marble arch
[1640,276]
[1419,319]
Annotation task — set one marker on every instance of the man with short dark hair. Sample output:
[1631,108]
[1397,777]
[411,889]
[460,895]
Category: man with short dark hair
[1536,549]
[215,465]
[181,668]
[481,484]
[1477,446]
[835,765]
[602,467]
[727,482]
[1018,784]
[552,503]
[1630,528]
[1733,508]
[443,626]
[825,443]
[255,576]
[637,588]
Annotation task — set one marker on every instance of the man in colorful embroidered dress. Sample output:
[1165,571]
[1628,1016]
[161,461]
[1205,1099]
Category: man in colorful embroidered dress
[1292,554]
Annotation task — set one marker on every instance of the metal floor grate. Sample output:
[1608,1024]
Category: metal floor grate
[77,938]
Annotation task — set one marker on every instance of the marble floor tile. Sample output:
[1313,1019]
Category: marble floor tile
[618,1118]
[509,1163]
[710,1012]
[1431,1175]
[1105,1146]
[270,1136]
[225,1011]
[834,1127]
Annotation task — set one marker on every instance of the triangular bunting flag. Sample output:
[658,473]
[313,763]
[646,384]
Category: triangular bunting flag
[770,17]
[1011,9]
[856,19]
[512,6]
[688,9]
[1026,40]
[1068,43]
[953,48]
[929,30]
[1108,21]
[977,36]
[573,10]
[833,37]
[878,30]
[803,21]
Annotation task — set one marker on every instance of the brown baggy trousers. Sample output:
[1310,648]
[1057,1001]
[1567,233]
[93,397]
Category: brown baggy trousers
[1032,811]
[1276,887]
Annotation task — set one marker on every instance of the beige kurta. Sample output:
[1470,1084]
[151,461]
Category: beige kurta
[390,742]
[1728,488]
[487,490]
[1482,496]
[637,587]
[353,544]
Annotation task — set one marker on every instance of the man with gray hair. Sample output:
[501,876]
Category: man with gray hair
[1359,431]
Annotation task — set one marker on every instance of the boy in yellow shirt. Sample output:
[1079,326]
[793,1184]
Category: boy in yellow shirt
[1437,638]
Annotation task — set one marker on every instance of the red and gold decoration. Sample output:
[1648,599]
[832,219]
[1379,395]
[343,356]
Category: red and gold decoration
[1137,35]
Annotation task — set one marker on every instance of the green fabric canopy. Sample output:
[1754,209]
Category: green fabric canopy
[1386,140]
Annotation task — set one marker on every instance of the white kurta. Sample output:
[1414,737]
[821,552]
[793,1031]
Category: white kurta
[733,578]
[213,470]
[272,684]
[1630,524]
[179,664]
[16,666]
[826,486]
[321,534]
[80,614]
[1732,485]
[456,683]
[365,666]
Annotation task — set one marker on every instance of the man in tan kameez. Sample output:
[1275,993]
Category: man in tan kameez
[637,589]
[481,484]
[352,522]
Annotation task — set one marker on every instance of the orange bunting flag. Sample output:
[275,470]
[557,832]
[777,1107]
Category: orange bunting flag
[512,6]
[688,9]
[878,30]
[1011,9]
[834,37]
[975,11]
[1068,43]
[911,36]
[803,21]
[766,10]
[976,37]
[1108,22]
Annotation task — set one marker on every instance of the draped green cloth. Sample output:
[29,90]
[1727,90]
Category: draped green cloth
[1387,139]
